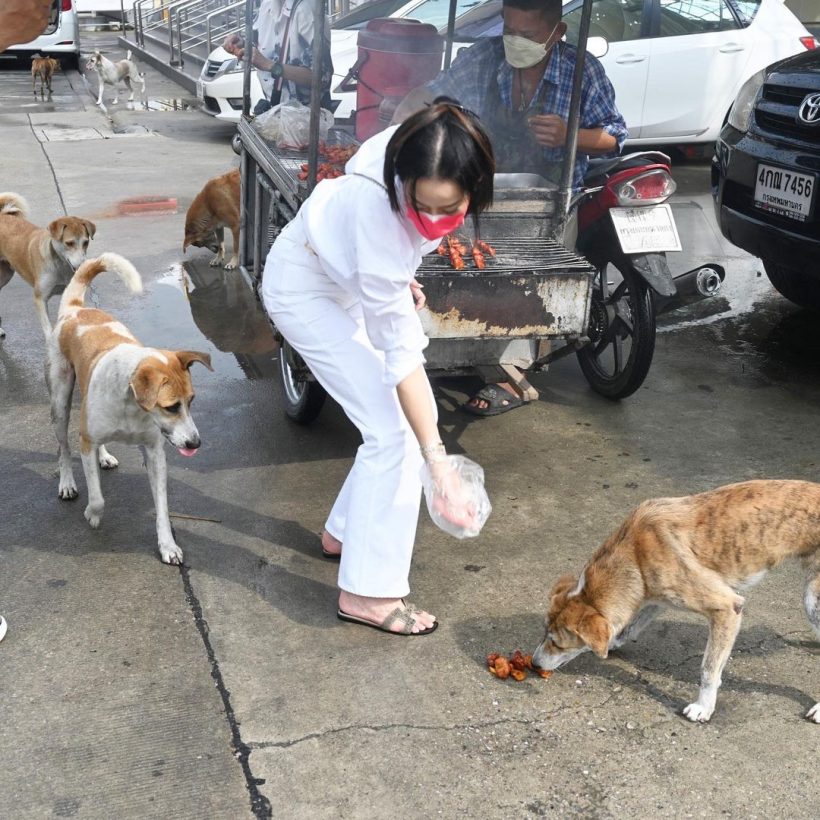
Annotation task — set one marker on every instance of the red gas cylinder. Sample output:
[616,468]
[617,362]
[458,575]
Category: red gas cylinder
[395,56]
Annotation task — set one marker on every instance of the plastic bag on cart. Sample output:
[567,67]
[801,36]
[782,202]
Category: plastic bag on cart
[288,125]
[455,495]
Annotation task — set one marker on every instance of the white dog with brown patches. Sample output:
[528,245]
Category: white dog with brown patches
[111,73]
[698,553]
[130,393]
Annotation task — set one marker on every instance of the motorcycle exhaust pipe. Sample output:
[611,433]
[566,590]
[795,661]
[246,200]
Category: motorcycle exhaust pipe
[693,286]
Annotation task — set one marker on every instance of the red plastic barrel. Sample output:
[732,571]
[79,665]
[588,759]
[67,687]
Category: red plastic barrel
[395,56]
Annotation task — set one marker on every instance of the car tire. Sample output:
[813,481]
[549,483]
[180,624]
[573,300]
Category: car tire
[795,285]
[71,61]
[303,397]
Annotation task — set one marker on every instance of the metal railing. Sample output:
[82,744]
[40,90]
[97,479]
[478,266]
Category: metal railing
[188,26]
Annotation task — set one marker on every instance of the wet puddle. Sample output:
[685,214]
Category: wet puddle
[224,310]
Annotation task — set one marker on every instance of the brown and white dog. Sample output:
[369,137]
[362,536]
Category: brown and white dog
[111,73]
[214,208]
[45,257]
[130,393]
[697,553]
[42,68]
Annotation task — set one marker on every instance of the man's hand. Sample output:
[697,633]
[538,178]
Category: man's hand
[22,20]
[418,294]
[549,130]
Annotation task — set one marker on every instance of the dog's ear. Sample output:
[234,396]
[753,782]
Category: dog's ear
[145,384]
[188,357]
[593,629]
[562,586]
[57,228]
[90,227]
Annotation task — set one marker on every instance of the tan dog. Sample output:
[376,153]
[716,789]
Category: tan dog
[45,257]
[43,68]
[697,553]
[214,208]
[130,393]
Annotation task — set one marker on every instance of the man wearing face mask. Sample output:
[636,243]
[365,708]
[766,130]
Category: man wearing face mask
[520,86]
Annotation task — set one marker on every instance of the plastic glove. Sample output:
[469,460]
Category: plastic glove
[455,495]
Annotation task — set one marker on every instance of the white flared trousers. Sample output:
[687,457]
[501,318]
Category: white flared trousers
[376,513]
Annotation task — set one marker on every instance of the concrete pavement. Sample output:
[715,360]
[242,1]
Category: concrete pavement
[229,689]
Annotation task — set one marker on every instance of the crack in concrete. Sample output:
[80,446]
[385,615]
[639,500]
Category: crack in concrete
[386,727]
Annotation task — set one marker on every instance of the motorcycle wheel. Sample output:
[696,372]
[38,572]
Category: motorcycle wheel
[303,397]
[621,331]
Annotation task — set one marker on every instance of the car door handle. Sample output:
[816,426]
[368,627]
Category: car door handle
[731,48]
[630,58]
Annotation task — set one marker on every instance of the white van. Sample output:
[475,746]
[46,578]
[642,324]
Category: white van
[61,38]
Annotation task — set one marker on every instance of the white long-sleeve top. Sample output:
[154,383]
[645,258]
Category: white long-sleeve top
[370,252]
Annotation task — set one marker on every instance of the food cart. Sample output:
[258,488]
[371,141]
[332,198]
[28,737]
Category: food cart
[531,304]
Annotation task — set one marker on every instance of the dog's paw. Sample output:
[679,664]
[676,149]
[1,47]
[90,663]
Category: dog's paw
[216,261]
[697,713]
[107,461]
[170,554]
[67,491]
[232,264]
[93,515]
[814,713]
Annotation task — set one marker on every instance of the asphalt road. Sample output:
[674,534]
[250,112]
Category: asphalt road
[229,689]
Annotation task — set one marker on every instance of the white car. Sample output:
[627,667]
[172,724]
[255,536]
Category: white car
[220,82]
[61,38]
[676,65]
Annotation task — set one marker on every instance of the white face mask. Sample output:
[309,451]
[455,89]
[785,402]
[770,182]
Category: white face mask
[523,53]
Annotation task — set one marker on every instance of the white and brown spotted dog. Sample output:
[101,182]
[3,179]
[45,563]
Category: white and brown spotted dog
[45,257]
[111,73]
[697,553]
[130,393]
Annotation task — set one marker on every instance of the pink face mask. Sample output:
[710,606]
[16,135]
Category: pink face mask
[432,226]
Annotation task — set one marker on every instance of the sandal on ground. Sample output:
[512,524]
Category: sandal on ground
[402,615]
[498,401]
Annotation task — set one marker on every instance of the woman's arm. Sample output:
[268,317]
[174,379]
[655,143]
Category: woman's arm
[414,397]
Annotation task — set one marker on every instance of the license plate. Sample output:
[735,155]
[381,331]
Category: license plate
[650,229]
[784,192]
[200,91]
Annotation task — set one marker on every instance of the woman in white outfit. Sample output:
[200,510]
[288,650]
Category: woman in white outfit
[339,285]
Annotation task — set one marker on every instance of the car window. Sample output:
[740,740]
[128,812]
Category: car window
[482,21]
[615,20]
[681,17]
[436,12]
[358,17]
[746,9]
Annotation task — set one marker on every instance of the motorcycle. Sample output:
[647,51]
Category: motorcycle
[622,223]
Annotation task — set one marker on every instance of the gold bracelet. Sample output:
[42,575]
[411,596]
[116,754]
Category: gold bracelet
[433,452]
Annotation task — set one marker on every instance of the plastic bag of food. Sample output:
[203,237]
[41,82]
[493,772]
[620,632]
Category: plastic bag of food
[295,125]
[455,495]
[269,124]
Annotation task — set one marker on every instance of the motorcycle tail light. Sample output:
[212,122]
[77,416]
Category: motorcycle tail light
[810,42]
[649,188]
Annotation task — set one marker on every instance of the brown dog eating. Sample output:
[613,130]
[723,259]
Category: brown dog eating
[697,553]
[214,208]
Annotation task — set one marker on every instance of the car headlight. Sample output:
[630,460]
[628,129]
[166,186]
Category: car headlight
[741,112]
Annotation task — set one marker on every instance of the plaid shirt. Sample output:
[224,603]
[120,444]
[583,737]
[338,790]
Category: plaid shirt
[481,69]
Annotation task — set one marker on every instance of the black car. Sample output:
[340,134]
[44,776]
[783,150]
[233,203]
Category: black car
[766,174]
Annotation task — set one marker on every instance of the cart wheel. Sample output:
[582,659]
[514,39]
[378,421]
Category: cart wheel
[303,397]
[236,144]
[621,332]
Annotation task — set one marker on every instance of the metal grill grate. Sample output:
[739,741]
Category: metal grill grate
[513,256]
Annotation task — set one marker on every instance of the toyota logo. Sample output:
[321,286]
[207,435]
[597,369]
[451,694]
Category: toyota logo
[809,111]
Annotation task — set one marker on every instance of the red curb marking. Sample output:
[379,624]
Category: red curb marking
[147,204]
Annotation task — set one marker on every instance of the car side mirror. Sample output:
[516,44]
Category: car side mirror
[597,46]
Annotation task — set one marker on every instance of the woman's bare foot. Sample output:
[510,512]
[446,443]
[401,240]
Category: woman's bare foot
[376,610]
[331,545]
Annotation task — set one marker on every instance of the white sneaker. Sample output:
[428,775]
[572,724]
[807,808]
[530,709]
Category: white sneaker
[3,627]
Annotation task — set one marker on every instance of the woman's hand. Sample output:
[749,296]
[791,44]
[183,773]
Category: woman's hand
[452,499]
[416,288]
[260,61]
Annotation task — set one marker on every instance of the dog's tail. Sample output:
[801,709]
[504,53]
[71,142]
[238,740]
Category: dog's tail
[74,295]
[13,205]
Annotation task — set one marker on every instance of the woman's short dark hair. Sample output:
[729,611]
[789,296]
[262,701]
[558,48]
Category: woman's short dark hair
[442,141]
